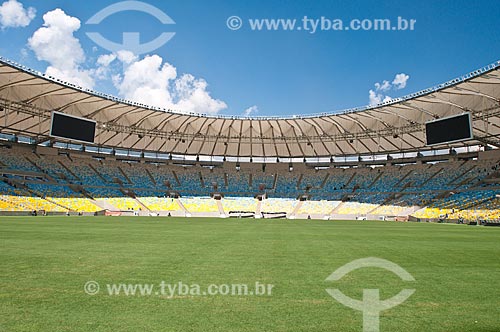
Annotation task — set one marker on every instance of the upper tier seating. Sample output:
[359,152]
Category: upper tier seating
[17,160]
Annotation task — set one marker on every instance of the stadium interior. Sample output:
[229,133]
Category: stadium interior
[369,163]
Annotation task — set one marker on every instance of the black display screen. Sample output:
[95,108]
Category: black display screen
[448,130]
[72,128]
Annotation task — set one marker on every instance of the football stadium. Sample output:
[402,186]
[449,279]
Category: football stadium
[430,156]
[118,215]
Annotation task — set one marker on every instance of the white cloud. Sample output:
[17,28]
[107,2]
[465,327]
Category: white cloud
[154,82]
[250,110]
[103,62]
[54,42]
[106,59]
[375,98]
[400,80]
[13,15]
[126,57]
[149,80]
[385,86]
[116,79]
[192,96]
[378,95]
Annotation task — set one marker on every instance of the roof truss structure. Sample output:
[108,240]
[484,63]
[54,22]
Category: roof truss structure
[27,99]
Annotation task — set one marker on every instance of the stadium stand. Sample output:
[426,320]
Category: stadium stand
[87,183]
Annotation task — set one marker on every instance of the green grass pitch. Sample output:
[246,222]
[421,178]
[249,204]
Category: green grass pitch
[46,261]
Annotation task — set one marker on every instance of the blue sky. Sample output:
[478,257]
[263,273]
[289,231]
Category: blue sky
[278,72]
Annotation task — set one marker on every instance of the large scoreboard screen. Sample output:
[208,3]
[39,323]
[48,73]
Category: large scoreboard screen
[72,128]
[449,130]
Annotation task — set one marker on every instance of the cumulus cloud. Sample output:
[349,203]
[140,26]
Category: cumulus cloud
[149,80]
[106,59]
[400,80]
[375,98]
[126,57]
[55,43]
[103,62]
[378,95]
[385,86]
[192,96]
[251,110]
[14,15]
[154,82]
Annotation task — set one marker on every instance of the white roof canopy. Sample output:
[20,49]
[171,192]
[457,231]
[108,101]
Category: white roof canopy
[28,97]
